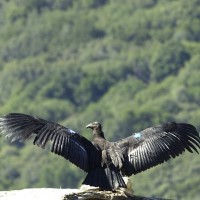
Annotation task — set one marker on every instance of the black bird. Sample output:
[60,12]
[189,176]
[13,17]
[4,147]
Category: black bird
[105,162]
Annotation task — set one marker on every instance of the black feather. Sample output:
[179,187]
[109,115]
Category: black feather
[105,161]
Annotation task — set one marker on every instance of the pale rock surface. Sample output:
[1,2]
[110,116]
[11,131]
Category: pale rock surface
[69,194]
[36,194]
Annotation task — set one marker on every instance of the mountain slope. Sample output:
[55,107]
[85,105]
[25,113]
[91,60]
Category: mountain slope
[130,65]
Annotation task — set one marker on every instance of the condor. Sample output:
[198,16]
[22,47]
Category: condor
[105,162]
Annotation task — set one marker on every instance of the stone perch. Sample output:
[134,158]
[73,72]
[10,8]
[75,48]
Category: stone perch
[68,194]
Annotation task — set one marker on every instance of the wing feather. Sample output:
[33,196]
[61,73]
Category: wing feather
[156,145]
[64,142]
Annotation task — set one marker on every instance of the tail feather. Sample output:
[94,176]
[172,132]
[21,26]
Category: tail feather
[108,178]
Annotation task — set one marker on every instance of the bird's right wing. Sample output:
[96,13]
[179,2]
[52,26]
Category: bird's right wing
[64,141]
[156,145]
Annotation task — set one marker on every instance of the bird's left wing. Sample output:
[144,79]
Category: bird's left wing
[64,141]
[156,145]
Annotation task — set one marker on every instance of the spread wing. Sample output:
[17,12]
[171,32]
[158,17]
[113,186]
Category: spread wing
[156,145]
[64,141]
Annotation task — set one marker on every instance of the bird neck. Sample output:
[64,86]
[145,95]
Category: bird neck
[98,133]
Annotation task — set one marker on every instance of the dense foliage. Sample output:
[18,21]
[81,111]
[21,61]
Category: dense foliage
[128,64]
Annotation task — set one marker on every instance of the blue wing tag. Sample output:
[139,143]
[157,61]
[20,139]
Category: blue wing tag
[71,131]
[137,135]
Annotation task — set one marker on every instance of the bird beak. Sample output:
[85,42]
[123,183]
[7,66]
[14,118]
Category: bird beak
[89,125]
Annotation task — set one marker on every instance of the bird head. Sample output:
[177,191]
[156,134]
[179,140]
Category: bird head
[94,125]
[97,129]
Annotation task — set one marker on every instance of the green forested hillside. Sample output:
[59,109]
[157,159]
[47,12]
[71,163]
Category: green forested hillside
[130,64]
